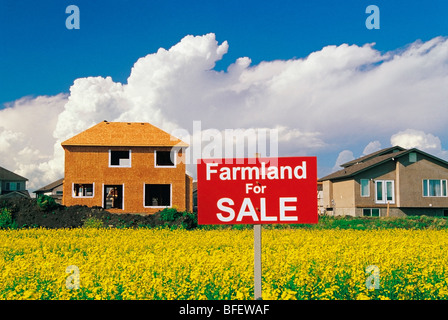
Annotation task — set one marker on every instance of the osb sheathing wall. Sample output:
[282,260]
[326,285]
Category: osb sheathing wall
[91,165]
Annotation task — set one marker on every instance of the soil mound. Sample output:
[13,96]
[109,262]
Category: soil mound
[28,213]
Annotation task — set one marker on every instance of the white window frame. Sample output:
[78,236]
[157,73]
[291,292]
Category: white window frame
[120,166]
[88,197]
[368,187]
[175,159]
[442,181]
[158,207]
[384,191]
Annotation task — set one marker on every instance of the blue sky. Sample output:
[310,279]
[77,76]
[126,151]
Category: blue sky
[40,56]
[310,74]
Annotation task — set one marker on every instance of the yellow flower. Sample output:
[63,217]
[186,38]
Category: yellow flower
[218,264]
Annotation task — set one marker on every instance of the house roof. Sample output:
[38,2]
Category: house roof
[130,134]
[9,175]
[50,186]
[373,155]
[13,194]
[372,160]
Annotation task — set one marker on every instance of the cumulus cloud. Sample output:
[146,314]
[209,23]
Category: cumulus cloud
[427,142]
[372,147]
[343,157]
[339,95]
[26,137]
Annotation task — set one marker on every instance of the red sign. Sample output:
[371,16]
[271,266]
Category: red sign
[257,190]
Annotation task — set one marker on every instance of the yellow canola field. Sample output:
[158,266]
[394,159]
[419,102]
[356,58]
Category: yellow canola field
[218,264]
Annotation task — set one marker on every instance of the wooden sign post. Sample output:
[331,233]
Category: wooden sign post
[257,257]
[257,261]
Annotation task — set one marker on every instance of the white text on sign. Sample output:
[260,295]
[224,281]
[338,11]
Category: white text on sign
[249,173]
[247,209]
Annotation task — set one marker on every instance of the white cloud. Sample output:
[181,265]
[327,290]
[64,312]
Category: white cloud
[339,95]
[343,157]
[427,142]
[372,147]
[26,138]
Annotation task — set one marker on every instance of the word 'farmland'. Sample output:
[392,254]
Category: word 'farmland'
[259,173]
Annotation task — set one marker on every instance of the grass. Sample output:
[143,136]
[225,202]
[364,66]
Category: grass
[355,223]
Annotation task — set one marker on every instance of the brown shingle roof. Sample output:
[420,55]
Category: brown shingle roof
[130,134]
[51,186]
[8,175]
[372,155]
[361,166]
[375,159]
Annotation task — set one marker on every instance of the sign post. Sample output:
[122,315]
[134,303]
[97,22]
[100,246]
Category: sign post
[257,191]
[257,261]
[257,257]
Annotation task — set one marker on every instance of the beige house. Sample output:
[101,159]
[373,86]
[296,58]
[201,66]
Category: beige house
[393,181]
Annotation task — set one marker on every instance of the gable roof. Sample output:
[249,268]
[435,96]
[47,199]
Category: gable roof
[373,155]
[129,134]
[16,193]
[9,175]
[50,186]
[375,159]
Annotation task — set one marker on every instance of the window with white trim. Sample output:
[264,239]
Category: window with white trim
[157,195]
[166,159]
[365,187]
[83,190]
[119,158]
[384,191]
[434,188]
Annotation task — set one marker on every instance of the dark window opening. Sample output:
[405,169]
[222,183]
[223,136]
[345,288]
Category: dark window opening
[120,158]
[113,197]
[445,212]
[371,212]
[163,158]
[157,195]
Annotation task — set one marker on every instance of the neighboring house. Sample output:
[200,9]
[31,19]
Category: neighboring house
[320,198]
[53,190]
[195,196]
[126,167]
[393,181]
[12,185]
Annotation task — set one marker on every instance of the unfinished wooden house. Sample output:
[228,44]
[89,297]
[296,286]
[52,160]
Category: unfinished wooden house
[126,167]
